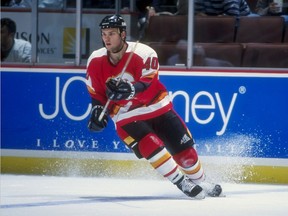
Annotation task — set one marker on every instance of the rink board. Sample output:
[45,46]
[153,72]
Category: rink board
[228,170]
[44,114]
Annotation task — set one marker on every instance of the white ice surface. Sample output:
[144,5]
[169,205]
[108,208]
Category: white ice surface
[83,196]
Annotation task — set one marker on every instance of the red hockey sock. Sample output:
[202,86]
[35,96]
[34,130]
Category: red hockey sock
[190,164]
[152,148]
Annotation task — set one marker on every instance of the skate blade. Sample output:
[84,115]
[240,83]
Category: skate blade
[220,195]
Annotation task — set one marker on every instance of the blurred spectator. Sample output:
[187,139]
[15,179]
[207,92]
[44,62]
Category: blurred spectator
[50,4]
[20,3]
[12,49]
[199,57]
[272,8]
[182,7]
[57,4]
[222,8]
[149,8]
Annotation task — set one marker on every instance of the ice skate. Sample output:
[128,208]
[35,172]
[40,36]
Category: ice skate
[190,189]
[212,190]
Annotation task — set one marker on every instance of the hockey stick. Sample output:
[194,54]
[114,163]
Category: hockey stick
[120,77]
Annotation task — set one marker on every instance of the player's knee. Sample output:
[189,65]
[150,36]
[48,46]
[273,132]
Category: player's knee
[150,145]
[186,158]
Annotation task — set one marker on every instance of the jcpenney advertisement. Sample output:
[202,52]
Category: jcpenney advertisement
[228,114]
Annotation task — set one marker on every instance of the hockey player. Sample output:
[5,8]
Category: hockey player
[140,107]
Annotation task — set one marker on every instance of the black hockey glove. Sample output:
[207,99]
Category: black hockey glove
[119,89]
[94,125]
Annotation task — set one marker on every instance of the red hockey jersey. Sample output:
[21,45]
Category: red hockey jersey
[143,67]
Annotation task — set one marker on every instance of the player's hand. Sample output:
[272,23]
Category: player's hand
[274,8]
[94,124]
[119,89]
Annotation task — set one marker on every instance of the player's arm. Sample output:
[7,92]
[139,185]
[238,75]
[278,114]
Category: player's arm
[98,99]
[94,124]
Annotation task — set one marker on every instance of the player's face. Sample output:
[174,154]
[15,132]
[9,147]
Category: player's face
[112,39]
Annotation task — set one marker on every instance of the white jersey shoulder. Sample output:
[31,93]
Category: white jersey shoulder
[97,53]
[148,55]
[141,50]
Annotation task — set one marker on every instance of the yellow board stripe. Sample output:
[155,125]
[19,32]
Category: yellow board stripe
[266,174]
[125,168]
[76,167]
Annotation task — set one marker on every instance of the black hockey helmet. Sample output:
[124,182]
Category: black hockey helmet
[113,21]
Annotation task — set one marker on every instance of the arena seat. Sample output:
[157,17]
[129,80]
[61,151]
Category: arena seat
[265,55]
[285,38]
[211,29]
[205,54]
[164,51]
[265,29]
[166,29]
[228,52]
[176,54]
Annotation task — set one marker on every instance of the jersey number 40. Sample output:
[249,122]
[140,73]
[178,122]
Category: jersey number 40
[151,63]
